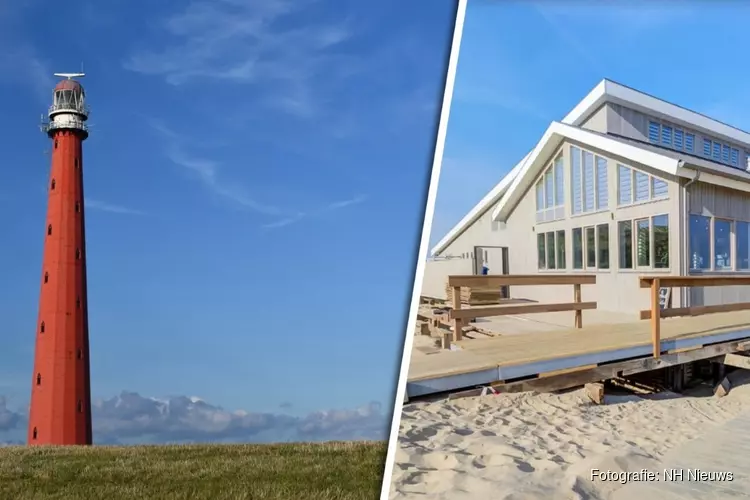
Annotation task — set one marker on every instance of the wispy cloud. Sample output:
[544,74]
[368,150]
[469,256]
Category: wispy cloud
[208,172]
[249,43]
[336,205]
[108,207]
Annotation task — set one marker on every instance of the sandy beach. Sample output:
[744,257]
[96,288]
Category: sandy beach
[531,446]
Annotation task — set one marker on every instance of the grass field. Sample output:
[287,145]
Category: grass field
[347,470]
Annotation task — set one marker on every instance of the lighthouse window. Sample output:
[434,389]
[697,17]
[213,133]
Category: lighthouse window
[38,379]
[78,207]
[78,302]
[80,406]
[78,254]
[46,277]
[52,185]
[41,327]
[80,354]
[34,433]
[49,230]
[55,143]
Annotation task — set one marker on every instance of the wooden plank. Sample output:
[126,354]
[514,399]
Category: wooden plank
[595,392]
[690,281]
[698,310]
[737,360]
[488,281]
[457,322]
[577,299]
[655,317]
[486,312]
[723,388]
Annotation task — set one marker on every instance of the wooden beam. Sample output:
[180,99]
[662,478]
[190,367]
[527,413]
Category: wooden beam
[655,317]
[457,322]
[490,281]
[723,388]
[737,361]
[690,281]
[580,377]
[487,312]
[698,310]
[577,299]
[595,392]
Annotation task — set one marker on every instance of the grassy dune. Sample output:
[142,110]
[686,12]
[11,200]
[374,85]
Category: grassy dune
[326,471]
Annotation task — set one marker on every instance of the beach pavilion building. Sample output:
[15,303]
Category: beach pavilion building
[626,184]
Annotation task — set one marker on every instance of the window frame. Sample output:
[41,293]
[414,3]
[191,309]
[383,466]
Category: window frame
[598,233]
[573,231]
[636,263]
[596,188]
[587,266]
[651,180]
[635,266]
[730,245]
[560,250]
[556,204]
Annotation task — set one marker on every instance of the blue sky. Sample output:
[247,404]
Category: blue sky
[255,182]
[523,65]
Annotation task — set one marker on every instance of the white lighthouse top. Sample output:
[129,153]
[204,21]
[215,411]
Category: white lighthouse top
[69,110]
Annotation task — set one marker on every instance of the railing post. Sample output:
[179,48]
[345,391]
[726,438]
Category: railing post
[577,299]
[457,323]
[655,317]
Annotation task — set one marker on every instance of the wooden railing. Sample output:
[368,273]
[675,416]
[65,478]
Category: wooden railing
[655,313]
[459,315]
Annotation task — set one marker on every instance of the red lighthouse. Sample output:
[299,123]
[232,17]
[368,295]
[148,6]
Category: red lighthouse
[60,395]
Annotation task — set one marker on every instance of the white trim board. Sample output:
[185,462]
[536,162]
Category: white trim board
[480,208]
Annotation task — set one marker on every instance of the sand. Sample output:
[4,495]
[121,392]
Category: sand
[532,446]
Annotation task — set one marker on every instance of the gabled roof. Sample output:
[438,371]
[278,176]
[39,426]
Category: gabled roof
[551,140]
[605,91]
[609,91]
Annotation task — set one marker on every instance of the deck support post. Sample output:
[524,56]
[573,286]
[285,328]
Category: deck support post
[655,317]
[457,323]
[577,299]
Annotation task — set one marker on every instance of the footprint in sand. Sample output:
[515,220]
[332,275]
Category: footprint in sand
[440,461]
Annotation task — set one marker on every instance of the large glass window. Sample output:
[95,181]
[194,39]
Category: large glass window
[700,242]
[550,250]
[625,185]
[590,247]
[588,182]
[602,242]
[540,251]
[559,182]
[539,196]
[560,249]
[602,186]
[642,188]
[743,245]
[625,243]
[722,245]
[577,248]
[575,179]
[660,228]
[643,243]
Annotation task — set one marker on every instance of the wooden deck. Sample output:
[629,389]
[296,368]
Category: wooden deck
[485,361]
